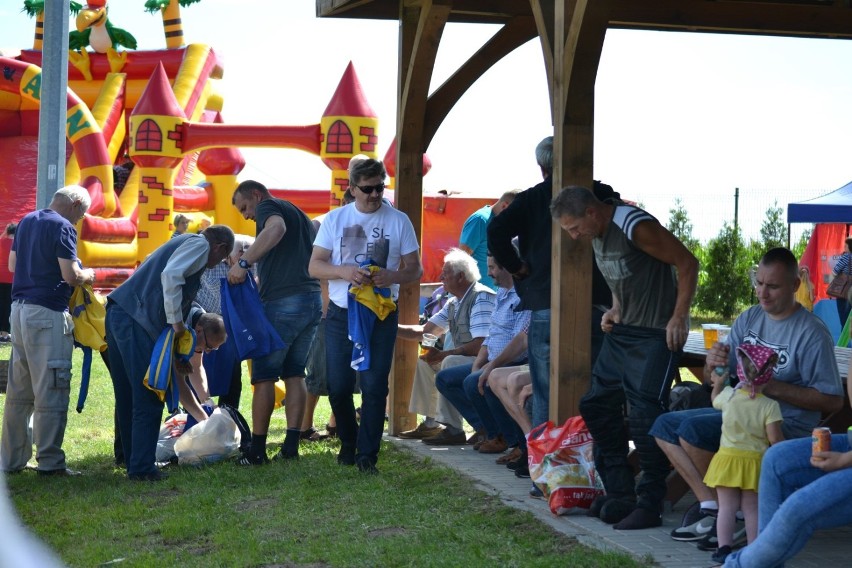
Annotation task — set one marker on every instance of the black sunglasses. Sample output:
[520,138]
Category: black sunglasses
[369,189]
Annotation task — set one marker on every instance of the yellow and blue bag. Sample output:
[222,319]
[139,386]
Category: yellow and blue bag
[160,375]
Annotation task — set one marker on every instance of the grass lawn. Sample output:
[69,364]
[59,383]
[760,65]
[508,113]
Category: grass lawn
[311,513]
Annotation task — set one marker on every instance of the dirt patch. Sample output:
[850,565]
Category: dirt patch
[252,504]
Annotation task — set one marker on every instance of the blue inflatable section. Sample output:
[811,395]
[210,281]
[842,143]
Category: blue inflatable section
[826,310]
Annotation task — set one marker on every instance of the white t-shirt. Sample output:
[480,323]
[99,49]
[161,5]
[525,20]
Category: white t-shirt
[354,237]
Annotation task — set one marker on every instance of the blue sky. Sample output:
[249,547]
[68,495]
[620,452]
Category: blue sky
[677,115]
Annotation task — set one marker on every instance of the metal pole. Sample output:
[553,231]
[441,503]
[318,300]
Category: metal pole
[736,207]
[53,97]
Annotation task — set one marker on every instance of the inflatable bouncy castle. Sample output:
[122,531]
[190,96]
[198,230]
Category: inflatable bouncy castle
[147,138]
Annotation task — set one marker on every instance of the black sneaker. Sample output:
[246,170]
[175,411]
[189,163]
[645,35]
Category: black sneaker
[721,553]
[346,456]
[367,467]
[153,476]
[248,459]
[522,471]
[536,493]
[281,456]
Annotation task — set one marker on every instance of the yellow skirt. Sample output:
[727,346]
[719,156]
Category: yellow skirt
[732,467]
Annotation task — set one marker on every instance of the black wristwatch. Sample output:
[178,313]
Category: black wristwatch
[243,264]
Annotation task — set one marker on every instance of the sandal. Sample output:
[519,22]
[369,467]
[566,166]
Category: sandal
[312,435]
[331,431]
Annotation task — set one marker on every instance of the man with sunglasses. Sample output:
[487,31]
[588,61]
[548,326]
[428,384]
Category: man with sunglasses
[366,231]
[292,303]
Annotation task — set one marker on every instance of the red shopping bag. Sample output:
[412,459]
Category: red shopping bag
[562,465]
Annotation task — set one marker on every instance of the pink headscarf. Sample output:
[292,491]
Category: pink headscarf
[754,365]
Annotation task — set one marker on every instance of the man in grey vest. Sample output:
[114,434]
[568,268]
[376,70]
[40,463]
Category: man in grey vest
[653,278]
[158,294]
[467,316]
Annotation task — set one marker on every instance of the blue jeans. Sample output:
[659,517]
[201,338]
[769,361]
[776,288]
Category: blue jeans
[365,439]
[295,318]
[795,499]
[491,411]
[700,427]
[539,354]
[138,409]
[450,383]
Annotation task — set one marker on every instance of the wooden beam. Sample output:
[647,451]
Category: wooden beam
[514,34]
[579,32]
[742,17]
[421,28]
[543,12]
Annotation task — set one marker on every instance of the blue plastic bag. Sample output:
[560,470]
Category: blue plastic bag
[246,321]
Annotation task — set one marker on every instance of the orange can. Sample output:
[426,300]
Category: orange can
[821,440]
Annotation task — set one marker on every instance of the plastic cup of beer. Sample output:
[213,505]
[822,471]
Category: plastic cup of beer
[429,340]
[711,334]
[722,333]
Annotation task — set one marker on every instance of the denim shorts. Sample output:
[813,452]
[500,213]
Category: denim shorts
[295,318]
[700,427]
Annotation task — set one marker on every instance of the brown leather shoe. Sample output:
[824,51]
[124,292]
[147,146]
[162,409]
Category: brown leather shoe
[511,456]
[493,446]
[422,431]
[476,439]
[446,439]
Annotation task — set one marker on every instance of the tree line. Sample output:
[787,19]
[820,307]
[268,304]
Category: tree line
[727,260]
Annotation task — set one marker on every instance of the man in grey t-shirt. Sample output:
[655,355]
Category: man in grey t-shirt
[805,382]
[652,277]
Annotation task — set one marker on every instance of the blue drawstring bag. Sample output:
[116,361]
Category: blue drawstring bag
[246,321]
[218,365]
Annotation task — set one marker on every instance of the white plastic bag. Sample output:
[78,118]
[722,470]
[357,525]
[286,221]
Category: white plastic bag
[215,439]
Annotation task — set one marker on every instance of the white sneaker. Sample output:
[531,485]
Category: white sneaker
[700,529]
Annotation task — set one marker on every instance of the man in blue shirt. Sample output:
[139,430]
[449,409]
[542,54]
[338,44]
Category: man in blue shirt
[474,235]
[45,266]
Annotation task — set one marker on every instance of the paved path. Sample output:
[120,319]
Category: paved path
[827,548]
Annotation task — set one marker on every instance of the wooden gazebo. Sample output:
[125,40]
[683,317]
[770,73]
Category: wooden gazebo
[572,35]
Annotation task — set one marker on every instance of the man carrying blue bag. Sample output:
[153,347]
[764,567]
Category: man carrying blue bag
[292,304]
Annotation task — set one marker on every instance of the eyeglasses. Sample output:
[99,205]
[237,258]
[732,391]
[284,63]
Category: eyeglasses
[198,338]
[369,189]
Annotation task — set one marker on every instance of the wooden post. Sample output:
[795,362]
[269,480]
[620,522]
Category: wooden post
[420,33]
[579,31]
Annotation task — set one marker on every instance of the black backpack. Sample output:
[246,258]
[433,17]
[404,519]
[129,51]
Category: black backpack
[242,426]
[689,394]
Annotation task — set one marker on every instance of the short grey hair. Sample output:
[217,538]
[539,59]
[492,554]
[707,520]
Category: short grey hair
[75,193]
[462,263]
[572,201]
[544,154]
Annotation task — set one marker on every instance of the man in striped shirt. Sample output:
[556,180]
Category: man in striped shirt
[460,384]
[467,317]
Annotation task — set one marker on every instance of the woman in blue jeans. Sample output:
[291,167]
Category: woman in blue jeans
[798,495]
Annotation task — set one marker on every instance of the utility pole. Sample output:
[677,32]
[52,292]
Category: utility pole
[53,101]
[736,208]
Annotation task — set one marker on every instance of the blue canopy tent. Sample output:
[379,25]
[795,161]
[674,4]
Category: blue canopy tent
[830,212]
[834,207]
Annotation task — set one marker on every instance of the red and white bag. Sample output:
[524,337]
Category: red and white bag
[562,465]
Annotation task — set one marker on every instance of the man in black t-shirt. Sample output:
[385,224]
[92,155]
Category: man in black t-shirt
[292,302]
